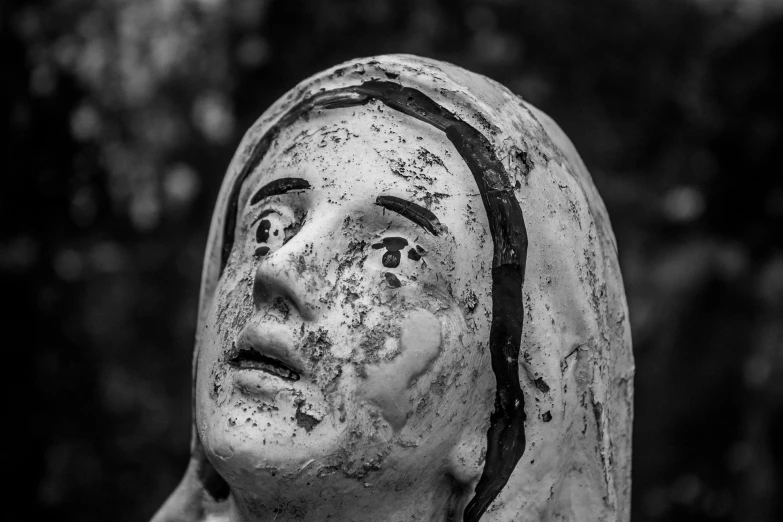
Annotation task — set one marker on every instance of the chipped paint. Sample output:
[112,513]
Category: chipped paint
[335,443]
[388,382]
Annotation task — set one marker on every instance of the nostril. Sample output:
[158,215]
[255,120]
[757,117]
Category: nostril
[280,306]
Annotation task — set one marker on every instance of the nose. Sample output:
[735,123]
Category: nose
[285,274]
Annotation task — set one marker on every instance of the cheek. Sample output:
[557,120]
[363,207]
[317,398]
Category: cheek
[388,384]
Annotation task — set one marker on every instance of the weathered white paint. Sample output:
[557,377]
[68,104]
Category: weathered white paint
[389,417]
[387,382]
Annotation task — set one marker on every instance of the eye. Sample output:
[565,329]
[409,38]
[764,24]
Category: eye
[391,259]
[393,245]
[273,229]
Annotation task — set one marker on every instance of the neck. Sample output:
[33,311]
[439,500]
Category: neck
[442,503]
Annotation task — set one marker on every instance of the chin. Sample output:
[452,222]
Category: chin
[270,446]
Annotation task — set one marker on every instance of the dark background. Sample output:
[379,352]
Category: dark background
[120,119]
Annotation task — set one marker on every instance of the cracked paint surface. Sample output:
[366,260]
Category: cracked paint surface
[365,329]
[384,319]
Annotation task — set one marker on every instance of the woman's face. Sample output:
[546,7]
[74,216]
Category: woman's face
[347,342]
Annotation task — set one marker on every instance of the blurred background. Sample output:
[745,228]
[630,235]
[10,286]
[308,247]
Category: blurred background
[121,116]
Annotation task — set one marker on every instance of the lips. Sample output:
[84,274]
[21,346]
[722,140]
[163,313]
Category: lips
[250,359]
[267,350]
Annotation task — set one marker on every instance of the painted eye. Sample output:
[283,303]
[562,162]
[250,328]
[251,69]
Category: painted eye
[264,229]
[393,245]
[272,230]
[391,259]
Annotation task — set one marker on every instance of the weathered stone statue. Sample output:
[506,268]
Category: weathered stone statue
[411,309]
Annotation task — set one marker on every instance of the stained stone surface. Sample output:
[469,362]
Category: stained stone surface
[411,309]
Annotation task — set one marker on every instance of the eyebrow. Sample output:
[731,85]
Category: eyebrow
[410,210]
[279,186]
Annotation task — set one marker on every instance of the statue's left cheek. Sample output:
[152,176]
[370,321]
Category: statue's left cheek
[388,385]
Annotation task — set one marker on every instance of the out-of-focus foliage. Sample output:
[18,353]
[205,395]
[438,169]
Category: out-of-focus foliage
[122,115]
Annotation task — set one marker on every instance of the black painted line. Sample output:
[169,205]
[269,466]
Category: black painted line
[391,243]
[410,210]
[278,187]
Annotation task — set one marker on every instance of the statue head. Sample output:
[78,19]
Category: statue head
[410,309]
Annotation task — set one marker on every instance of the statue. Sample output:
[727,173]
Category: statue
[411,309]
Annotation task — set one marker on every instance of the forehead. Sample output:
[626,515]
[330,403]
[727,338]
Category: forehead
[366,151]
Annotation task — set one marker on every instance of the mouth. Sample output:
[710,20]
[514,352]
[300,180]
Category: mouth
[250,359]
